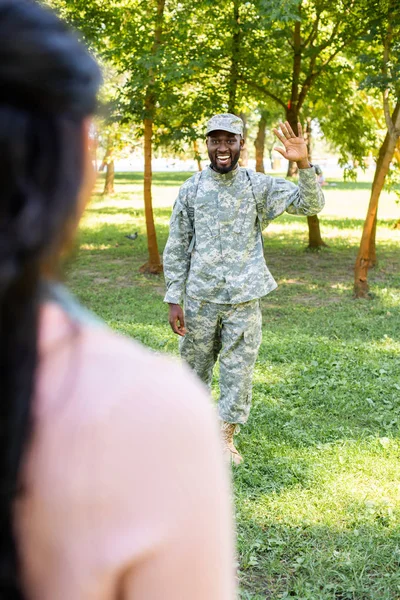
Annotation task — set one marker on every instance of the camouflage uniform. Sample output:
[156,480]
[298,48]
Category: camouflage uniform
[214,260]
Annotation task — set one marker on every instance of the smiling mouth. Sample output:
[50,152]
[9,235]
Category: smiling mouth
[223,158]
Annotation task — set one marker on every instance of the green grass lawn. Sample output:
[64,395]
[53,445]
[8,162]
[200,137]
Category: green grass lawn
[318,498]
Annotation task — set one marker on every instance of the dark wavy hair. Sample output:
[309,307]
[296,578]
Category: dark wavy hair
[48,86]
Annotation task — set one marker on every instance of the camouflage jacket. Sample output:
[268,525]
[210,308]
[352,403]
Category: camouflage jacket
[225,263]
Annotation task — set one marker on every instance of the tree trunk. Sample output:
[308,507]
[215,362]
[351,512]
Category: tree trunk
[292,111]
[244,155]
[372,250]
[363,261]
[107,156]
[197,156]
[372,246]
[154,265]
[308,137]
[109,182]
[271,157]
[108,164]
[93,145]
[293,117]
[234,71]
[315,241]
[260,145]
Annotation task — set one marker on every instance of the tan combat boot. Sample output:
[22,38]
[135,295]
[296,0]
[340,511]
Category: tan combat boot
[230,451]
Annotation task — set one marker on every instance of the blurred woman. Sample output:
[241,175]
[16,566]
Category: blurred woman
[107,488]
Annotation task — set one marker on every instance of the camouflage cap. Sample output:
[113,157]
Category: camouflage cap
[225,122]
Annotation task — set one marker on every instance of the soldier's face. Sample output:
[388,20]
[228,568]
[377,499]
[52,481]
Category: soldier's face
[224,150]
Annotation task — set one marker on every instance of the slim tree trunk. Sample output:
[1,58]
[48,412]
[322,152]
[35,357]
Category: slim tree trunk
[234,70]
[93,145]
[109,182]
[372,250]
[108,165]
[244,155]
[292,116]
[154,265]
[197,156]
[372,246]
[315,241]
[292,111]
[271,156]
[260,144]
[308,137]
[363,261]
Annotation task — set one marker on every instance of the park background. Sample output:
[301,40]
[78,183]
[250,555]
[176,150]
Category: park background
[318,498]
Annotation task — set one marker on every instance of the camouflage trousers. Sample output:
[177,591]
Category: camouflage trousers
[232,333]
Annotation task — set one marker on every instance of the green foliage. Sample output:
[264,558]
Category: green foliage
[343,115]
[177,70]
[380,67]
[380,72]
[318,77]
[210,56]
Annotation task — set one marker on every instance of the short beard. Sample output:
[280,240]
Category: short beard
[224,170]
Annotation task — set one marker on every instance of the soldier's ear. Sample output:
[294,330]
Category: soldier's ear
[241,141]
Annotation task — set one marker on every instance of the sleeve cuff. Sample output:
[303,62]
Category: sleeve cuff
[173,297]
[307,172]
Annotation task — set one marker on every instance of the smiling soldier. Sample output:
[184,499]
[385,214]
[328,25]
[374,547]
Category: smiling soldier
[214,261]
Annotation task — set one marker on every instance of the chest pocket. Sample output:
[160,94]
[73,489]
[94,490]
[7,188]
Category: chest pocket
[206,218]
[244,208]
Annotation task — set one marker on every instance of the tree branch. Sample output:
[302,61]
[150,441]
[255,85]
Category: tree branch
[333,35]
[314,31]
[397,120]
[386,107]
[329,41]
[264,91]
[386,110]
[314,74]
[297,56]
[374,113]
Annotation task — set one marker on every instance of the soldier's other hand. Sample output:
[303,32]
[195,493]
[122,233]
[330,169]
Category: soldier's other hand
[177,319]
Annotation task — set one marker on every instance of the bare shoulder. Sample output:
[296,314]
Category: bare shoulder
[104,371]
[119,435]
